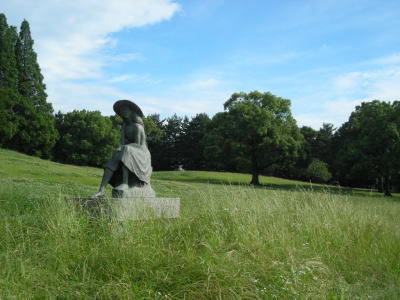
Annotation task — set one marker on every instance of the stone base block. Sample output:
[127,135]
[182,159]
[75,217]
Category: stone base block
[144,208]
[138,208]
[133,192]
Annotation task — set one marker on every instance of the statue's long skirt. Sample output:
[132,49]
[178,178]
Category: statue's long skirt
[136,158]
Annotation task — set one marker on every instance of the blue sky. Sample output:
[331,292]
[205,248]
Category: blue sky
[188,57]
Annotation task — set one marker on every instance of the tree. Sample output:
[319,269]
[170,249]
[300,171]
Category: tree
[368,144]
[323,141]
[310,138]
[9,97]
[153,131]
[306,153]
[220,149]
[345,168]
[191,142]
[172,154]
[36,133]
[164,141]
[86,137]
[317,145]
[259,132]
[154,135]
[318,171]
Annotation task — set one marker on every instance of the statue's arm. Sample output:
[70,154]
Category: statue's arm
[142,138]
[122,139]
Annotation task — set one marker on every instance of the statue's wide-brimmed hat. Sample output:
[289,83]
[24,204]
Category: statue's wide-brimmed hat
[123,105]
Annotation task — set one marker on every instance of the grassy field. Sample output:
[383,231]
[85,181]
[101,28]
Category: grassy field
[283,240]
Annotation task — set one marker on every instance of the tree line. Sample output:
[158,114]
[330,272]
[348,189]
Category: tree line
[27,122]
[256,133]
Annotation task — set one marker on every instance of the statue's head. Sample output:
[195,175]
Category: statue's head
[128,110]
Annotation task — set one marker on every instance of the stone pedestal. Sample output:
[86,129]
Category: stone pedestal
[144,208]
[133,191]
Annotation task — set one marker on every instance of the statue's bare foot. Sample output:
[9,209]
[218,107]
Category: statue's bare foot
[98,195]
[122,186]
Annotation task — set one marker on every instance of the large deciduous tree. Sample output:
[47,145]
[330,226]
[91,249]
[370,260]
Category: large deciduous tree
[220,149]
[257,130]
[86,137]
[368,144]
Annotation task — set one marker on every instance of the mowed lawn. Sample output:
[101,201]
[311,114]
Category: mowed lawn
[285,239]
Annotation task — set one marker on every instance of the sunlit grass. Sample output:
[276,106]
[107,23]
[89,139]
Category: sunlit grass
[231,241]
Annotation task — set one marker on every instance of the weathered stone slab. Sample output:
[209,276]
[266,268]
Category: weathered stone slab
[134,192]
[138,208]
[144,208]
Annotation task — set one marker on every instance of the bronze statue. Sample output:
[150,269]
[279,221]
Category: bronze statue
[129,169]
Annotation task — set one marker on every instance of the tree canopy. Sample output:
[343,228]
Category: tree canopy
[369,143]
[8,82]
[256,133]
[86,138]
[259,131]
[27,121]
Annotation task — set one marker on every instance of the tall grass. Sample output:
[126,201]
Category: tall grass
[231,242]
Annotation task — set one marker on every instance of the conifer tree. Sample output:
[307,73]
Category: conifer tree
[9,97]
[37,133]
[30,78]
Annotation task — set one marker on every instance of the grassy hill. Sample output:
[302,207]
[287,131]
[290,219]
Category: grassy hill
[286,239]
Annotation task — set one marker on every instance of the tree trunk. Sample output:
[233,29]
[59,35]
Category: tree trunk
[254,163]
[254,179]
[386,186]
[379,184]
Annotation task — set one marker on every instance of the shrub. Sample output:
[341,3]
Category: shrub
[318,171]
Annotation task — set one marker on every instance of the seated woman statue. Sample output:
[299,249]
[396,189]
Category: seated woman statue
[129,169]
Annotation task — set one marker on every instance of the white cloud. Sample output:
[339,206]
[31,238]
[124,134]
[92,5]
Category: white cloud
[70,35]
[120,78]
[135,78]
[127,57]
[327,110]
[338,109]
[310,120]
[129,77]
[383,84]
[201,91]
[168,105]
[335,112]
[387,60]
[69,95]
[349,81]
[374,79]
